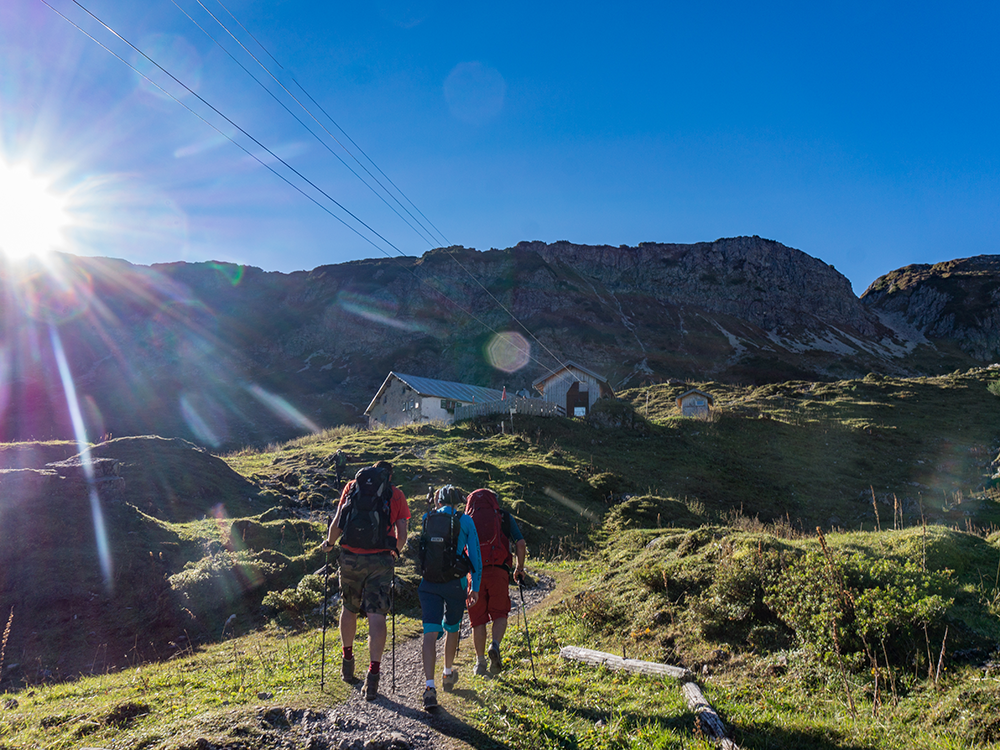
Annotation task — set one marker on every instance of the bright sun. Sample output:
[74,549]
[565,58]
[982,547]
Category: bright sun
[32,216]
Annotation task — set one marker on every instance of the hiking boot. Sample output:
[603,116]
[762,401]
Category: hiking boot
[481,668]
[371,686]
[449,681]
[494,654]
[347,670]
[430,698]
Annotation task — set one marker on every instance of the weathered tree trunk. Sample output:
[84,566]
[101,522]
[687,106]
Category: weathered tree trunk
[709,721]
[711,724]
[602,659]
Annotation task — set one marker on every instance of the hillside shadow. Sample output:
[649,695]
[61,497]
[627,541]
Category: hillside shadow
[763,735]
[767,735]
[446,723]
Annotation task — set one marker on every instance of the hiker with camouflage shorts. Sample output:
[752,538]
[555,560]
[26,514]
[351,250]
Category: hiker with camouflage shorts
[339,464]
[450,567]
[497,531]
[371,524]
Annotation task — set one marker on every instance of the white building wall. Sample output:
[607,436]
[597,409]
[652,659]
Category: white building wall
[431,409]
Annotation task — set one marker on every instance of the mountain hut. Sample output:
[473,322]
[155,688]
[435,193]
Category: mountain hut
[574,387]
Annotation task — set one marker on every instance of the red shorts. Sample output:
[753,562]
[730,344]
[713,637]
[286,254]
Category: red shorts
[494,596]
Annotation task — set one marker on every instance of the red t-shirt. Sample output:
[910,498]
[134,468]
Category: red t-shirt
[398,508]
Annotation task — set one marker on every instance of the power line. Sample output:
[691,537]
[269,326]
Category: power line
[427,238]
[325,145]
[327,114]
[451,253]
[292,169]
[228,120]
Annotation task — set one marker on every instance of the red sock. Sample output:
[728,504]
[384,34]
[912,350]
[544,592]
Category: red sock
[348,652]
[375,667]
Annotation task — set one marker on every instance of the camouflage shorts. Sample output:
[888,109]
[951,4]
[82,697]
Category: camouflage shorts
[365,582]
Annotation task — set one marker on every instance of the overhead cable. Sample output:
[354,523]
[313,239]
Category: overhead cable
[228,120]
[422,230]
[450,252]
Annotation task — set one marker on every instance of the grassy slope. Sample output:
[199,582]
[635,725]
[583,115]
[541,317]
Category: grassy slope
[807,453]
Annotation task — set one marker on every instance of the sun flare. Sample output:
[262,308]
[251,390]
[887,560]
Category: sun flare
[32,215]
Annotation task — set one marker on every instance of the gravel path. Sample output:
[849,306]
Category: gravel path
[397,721]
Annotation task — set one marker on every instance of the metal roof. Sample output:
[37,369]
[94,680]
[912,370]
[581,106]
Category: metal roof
[568,366]
[443,389]
[684,395]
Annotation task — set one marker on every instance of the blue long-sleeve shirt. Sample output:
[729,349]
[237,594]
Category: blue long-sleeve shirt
[468,540]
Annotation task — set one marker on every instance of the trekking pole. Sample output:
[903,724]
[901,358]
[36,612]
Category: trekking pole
[326,585]
[527,635]
[392,606]
[322,658]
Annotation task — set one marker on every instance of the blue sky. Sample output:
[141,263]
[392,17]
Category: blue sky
[863,134]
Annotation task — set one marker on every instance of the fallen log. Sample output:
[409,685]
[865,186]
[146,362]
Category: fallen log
[710,723]
[708,720]
[617,663]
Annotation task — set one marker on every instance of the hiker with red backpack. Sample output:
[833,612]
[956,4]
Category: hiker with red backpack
[371,524]
[497,531]
[450,568]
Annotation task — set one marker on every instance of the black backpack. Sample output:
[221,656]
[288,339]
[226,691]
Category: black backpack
[364,519]
[440,561]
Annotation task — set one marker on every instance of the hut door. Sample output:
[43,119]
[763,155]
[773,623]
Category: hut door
[578,400]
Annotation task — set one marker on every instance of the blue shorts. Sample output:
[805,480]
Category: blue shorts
[442,605]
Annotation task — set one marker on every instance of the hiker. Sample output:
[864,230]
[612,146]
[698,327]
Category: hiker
[371,524]
[450,567]
[497,529]
[340,464]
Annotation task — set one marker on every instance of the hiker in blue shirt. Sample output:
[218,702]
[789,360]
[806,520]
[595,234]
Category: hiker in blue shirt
[451,569]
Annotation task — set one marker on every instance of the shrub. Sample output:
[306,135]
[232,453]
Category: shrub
[649,512]
[733,605]
[602,613]
[858,608]
[298,603]
[209,585]
[994,387]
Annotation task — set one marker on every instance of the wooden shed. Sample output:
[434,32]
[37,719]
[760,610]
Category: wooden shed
[574,387]
[695,403]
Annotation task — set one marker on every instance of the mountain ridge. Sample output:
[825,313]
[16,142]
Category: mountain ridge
[227,355]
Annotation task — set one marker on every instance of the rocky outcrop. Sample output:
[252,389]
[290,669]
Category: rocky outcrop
[759,281]
[956,301]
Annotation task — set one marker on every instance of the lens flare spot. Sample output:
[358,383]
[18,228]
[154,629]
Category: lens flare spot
[173,53]
[204,418]
[5,379]
[475,92]
[92,415]
[231,272]
[185,326]
[508,351]
[376,309]
[281,408]
[243,576]
[73,404]
[570,503]
[56,295]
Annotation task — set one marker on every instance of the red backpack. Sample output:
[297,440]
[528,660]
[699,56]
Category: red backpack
[492,526]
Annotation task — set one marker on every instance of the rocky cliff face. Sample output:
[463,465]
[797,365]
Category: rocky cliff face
[957,301]
[225,355]
[759,281]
